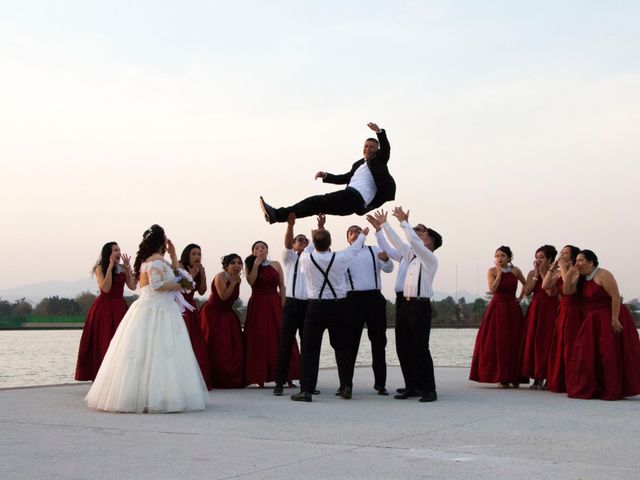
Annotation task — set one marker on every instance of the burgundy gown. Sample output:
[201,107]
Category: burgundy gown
[262,330]
[197,339]
[604,364]
[539,326]
[222,332]
[101,324]
[496,355]
[566,329]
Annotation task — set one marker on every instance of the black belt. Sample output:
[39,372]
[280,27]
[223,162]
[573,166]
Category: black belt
[417,299]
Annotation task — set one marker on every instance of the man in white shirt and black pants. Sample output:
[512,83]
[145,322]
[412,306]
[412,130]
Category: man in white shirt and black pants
[413,323]
[369,185]
[327,309]
[295,304]
[367,306]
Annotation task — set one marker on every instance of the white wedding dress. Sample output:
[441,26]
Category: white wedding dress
[150,365]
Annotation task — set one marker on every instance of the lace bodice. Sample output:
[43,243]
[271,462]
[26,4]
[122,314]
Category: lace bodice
[160,273]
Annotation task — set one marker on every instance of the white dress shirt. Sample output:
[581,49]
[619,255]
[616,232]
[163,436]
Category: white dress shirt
[362,181]
[394,255]
[315,278]
[296,286]
[422,264]
[364,271]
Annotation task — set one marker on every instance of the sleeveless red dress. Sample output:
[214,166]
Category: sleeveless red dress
[566,329]
[262,330]
[197,339]
[223,335]
[496,355]
[101,324]
[539,326]
[604,364]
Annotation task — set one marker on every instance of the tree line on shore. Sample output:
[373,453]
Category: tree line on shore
[445,313]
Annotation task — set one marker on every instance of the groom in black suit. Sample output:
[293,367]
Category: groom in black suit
[369,185]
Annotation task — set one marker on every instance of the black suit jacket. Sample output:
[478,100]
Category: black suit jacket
[385,185]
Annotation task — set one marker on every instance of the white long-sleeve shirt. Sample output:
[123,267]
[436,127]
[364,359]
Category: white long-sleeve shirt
[364,271]
[294,275]
[315,278]
[422,264]
[393,255]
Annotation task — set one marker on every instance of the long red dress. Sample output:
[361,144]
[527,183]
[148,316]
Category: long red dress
[496,356]
[197,339]
[101,324]
[567,325]
[604,364]
[262,330]
[539,325]
[223,335]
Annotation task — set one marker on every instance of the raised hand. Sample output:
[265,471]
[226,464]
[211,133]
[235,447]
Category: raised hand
[320,175]
[383,256]
[291,218]
[373,127]
[400,214]
[365,232]
[322,219]
[261,257]
[171,249]
[193,271]
[126,260]
[374,223]
[380,216]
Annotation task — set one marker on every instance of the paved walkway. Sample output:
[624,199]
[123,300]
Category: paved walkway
[471,432]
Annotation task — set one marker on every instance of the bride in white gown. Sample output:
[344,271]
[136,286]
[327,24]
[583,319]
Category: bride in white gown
[150,365]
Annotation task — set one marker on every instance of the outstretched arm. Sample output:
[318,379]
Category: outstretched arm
[339,179]
[288,236]
[384,152]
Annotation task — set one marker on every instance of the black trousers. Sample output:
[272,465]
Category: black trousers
[413,328]
[342,202]
[322,315]
[369,308]
[292,319]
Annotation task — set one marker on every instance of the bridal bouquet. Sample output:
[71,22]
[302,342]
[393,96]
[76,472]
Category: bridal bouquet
[185,280]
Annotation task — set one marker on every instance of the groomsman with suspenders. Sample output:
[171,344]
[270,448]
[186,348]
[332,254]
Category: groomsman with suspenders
[295,305]
[367,306]
[327,309]
[413,323]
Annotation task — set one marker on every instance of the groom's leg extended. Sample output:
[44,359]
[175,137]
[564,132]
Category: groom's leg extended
[342,202]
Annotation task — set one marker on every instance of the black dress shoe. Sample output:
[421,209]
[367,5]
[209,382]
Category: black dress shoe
[380,390]
[268,210]
[401,390]
[278,390]
[301,397]
[429,397]
[407,394]
[346,393]
[316,392]
[339,391]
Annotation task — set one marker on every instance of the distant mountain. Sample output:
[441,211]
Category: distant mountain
[37,291]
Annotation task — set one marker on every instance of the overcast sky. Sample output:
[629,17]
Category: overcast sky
[513,123]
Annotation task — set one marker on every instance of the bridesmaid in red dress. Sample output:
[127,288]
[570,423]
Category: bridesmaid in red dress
[496,356]
[605,362]
[190,260]
[569,317]
[107,310]
[221,326]
[540,320]
[264,318]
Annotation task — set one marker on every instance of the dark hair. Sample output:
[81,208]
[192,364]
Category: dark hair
[436,238]
[184,260]
[153,240]
[352,226]
[549,251]
[371,139]
[251,259]
[300,236]
[574,252]
[103,259]
[322,240]
[506,250]
[590,256]
[227,259]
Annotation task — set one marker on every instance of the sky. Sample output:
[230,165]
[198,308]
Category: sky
[510,123]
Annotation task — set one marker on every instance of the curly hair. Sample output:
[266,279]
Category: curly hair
[153,241]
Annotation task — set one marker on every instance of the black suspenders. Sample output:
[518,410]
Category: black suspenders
[326,275]
[375,269]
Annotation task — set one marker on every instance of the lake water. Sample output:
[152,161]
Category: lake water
[45,357]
